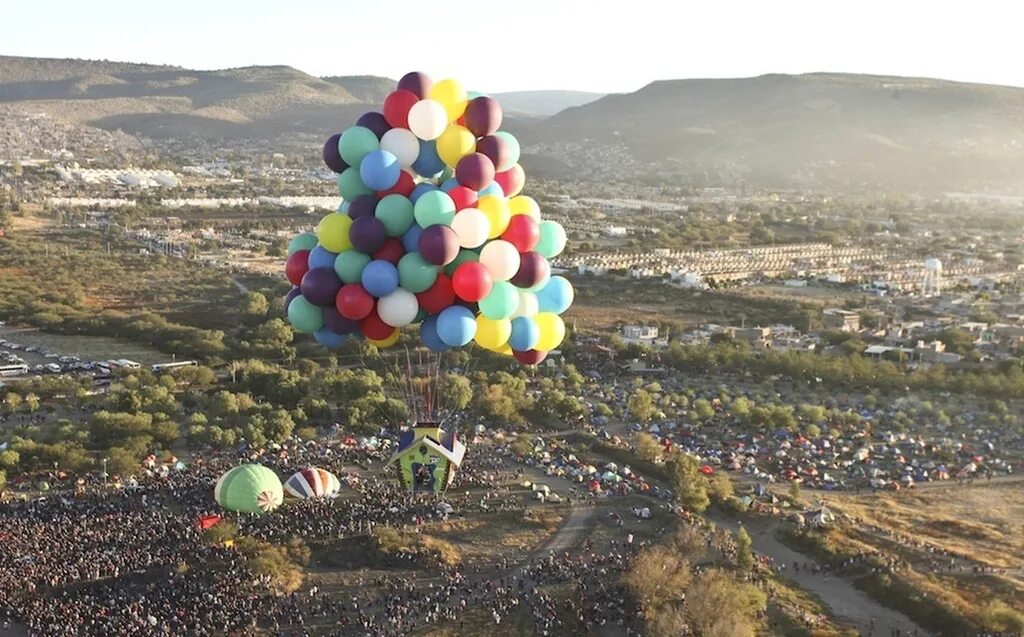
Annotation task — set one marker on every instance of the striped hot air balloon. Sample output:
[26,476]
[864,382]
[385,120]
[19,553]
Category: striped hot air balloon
[312,482]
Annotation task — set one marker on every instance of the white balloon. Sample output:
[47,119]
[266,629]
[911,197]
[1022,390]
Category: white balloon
[501,259]
[471,227]
[527,305]
[402,144]
[427,119]
[398,308]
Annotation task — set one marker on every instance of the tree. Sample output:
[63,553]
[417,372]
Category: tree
[744,554]
[9,459]
[658,578]
[720,487]
[647,447]
[522,445]
[122,462]
[12,401]
[641,405]
[719,606]
[794,490]
[702,407]
[32,402]
[457,392]
[255,305]
[741,408]
[690,485]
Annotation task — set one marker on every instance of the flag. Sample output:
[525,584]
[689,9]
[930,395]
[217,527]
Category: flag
[208,521]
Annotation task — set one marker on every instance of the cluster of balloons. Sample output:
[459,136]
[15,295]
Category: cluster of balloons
[432,230]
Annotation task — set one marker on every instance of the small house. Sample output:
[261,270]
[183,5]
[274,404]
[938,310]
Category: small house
[427,458]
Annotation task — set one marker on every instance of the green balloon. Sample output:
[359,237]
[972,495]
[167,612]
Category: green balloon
[304,241]
[434,207]
[513,151]
[350,185]
[395,212]
[502,301]
[349,265]
[304,316]
[552,239]
[414,274]
[463,256]
[447,174]
[420,315]
[355,143]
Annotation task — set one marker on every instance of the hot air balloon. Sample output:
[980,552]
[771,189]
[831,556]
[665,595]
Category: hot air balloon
[312,482]
[249,488]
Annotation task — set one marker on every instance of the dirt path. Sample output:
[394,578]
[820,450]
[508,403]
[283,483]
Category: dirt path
[574,528]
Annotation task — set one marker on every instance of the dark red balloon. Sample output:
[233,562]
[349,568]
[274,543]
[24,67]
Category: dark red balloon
[320,286]
[332,157]
[338,323]
[375,122]
[495,148]
[475,171]
[530,356]
[396,108]
[483,116]
[375,328]
[296,266]
[362,206]
[523,232]
[392,251]
[353,302]
[438,296]
[404,186]
[533,268]
[471,281]
[463,197]
[511,181]
[416,83]
[438,245]
[367,234]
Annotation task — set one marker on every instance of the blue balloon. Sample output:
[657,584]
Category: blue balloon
[449,184]
[329,339]
[525,334]
[321,257]
[493,189]
[555,297]
[428,164]
[429,335]
[379,170]
[380,278]
[456,326]
[420,190]
[411,238]
[343,208]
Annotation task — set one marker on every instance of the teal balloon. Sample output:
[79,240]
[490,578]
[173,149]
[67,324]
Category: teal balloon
[414,274]
[395,212]
[552,239]
[350,185]
[304,241]
[433,208]
[556,296]
[513,151]
[501,302]
[304,316]
[349,265]
[357,142]
[447,173]
[463,256]
[472,95]
[540,286]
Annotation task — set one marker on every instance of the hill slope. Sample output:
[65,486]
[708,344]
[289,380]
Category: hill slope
[544,103]
[815,128]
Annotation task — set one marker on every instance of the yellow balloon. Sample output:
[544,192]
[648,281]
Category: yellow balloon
[492,333]
[524,205]
[552,331]
[495,208]
[452,96]
[505,350]
[455,143]
[384,342]
[333,232]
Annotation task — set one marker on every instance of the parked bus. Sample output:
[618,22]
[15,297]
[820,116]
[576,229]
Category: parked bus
[160,366]
[13,370]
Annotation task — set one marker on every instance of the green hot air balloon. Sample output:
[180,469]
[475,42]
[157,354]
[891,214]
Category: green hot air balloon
[249,488]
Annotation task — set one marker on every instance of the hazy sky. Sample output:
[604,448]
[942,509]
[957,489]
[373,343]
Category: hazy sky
[597,45]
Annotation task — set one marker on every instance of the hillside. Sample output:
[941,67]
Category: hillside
[544,103]
[848,130]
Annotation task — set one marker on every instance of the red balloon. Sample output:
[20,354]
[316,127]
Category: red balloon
[533,268]
[523,232]
[475,171]
[392,250]
[375,328]
[438,296]
[483,116]
[530,356]
[403,187]
[463,197]
[353,302]
[471,281]
[396,107]
[296,266]
[511,181]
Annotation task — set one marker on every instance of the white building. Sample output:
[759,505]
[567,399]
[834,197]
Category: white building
[643,335]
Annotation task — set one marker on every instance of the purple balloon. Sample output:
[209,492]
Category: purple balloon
[495,148]
[374,121]
[362,206]
[292,293]
[533,268]
[483,116]
[417,83]
[320,286]
[338,323]
[367,234]
[475,171]
[332,157]
[438,245]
